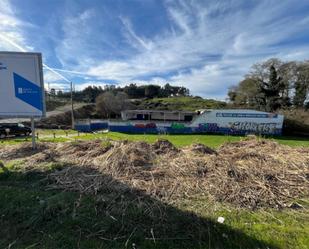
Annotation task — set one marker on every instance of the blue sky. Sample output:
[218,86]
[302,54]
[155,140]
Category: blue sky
[206,46]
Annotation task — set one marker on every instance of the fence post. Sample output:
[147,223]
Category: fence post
[33,133]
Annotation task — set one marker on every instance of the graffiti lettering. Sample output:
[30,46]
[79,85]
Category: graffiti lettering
[208,127]
[246,115]
[161,130]
[177,126]
[150,125]
[251,126]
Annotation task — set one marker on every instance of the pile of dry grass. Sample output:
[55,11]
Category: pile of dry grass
[28,159]
[82,153]
[126,159]
[256,173]
[200,149]
[251,173]
[23,150]
[163,146]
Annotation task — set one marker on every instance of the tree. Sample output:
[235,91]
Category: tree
[273,84]
[300,94]
[110,105]
[245,94]
[262,73]
[152,91]
[287,72]
[90,93]
[134,91]
[182,91]
[270,90]
[232,94]
[169,90]
[301,85]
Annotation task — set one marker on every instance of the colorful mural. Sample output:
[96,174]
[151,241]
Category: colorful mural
[208,127]
[145,126]
[177,126]
[215,121]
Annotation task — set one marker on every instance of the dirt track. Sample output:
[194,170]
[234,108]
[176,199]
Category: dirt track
[58,111]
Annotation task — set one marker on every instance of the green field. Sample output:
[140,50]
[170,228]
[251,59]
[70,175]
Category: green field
[213,141]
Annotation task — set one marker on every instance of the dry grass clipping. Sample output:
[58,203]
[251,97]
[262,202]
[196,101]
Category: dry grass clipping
[252,173]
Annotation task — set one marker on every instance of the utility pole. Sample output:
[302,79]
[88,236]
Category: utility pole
[72,107]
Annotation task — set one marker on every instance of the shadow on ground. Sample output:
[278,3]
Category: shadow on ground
[117,217]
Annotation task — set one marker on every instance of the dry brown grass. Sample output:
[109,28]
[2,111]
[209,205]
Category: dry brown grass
[251,173]
[299,115]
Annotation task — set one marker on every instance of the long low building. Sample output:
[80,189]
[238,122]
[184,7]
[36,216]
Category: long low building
[155,115]
[231,121]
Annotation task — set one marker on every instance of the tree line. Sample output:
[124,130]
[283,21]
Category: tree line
[273,85]
[132,91]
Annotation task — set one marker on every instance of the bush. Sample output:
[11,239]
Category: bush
[295,127]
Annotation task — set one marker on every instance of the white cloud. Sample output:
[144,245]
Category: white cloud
[132,35]
[51,77]
[58,86]
[11,37]
[237,38]
[72,49]
[207,46]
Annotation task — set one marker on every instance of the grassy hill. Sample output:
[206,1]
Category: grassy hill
[178,103]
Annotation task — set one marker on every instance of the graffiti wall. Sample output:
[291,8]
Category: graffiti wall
[227,122]
[208,127]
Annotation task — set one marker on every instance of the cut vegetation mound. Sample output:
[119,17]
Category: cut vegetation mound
[126,159]
[21,151]
[163,146]
[201,149]
[256,173]
[252,173]
[82,153]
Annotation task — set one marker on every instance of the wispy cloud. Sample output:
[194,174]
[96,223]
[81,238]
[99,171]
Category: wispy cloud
[213,46]
[71,51]
[132,35]
[204,45]
[11,36]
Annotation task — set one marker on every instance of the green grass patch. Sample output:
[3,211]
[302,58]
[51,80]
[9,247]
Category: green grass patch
[50,132]
[213,141]
[180,103]
[293,141]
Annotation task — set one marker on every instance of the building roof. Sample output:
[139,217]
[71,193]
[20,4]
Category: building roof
[157,111]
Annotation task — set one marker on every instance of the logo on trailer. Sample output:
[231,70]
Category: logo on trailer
[28,92]
[2,66]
